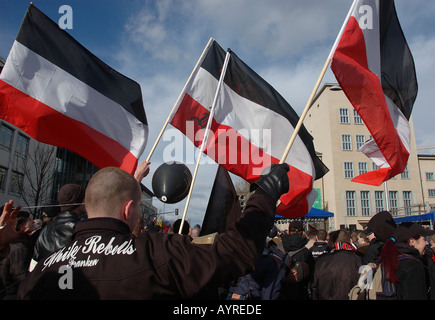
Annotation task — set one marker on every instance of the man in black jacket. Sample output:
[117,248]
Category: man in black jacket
[294,245]
[106,261]
[335,273]
[58,232]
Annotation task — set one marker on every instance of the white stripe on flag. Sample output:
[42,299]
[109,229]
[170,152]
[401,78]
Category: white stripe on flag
[247,115]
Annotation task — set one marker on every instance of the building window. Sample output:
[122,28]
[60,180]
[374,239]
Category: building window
[6,137]
[429,176]
[362,167]
[22,146]
[374,166]
[346,142]
[365,203]
[348,170]
[359,141]
[431,193]
[356,118]
[407,202]
[350,203]
[405,173]
[344,115]
[16,183]
[379,201]
[3,175]
[393,202]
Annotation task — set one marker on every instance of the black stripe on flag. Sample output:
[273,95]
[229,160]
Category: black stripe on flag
[248,84]
[223,209]
[42,35]
[399,81]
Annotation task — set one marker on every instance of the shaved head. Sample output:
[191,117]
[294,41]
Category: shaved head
[108,191]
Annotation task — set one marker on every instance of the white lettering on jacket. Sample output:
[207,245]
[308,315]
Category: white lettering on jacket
[93,246]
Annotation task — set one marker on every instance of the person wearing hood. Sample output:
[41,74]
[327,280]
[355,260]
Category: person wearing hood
[402,261]
[58,232]
[294,245]
[379,229]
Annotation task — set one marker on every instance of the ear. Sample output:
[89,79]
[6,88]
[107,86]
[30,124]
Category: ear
[412,242]
[127,210]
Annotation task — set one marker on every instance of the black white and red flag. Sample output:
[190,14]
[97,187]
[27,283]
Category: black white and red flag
[375,68]
[223,209]
[250,129]
[59,93]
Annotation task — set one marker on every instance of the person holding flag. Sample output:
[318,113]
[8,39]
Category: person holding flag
[105,260]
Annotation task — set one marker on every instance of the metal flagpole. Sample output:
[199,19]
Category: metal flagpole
[207,131]
[179,97]
[386,197]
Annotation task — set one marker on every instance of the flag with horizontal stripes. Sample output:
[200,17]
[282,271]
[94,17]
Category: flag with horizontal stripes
[59,93]
[250,129]
[375,68]
[223,209]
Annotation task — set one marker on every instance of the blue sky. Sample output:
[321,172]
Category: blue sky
[157,43]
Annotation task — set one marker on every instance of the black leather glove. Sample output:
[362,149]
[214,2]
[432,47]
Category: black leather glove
[274,181]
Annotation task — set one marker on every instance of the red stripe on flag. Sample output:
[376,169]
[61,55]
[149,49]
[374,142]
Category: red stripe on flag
[363,89]
[41,121]
[249,160]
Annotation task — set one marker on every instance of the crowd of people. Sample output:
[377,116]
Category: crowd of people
[111,254]
[335,260]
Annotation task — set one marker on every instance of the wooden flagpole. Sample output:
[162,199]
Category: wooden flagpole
[304,113]
[204,141]
[316,87]
[171,114]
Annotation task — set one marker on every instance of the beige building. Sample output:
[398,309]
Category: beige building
[427,170]
[338,133]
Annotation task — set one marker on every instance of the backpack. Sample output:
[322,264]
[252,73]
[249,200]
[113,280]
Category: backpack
[252,286]
[372,283]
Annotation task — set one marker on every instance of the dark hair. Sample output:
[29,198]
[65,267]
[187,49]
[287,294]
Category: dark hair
[322,234]
[22,217]
[176,227]
[311,233]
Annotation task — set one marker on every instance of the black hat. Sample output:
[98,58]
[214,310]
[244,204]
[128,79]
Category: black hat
[51,212]
[70,196]
[382,224]
[408,230]
[367,231]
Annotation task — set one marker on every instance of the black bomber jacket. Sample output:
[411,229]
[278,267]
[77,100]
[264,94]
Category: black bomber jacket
[108,262]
